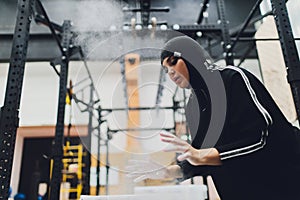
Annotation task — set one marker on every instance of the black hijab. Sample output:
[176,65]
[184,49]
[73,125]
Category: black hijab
[199,107]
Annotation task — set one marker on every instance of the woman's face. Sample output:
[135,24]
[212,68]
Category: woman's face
[177,71]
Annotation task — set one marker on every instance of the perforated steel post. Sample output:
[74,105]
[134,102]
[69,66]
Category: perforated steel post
[9,115]
[226,43]
[59,131]
[87,141]
[289,50]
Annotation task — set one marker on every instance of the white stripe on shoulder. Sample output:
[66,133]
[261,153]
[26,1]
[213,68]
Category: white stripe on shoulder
[263,111]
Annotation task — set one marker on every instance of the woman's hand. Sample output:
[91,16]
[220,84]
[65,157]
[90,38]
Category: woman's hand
[194,156]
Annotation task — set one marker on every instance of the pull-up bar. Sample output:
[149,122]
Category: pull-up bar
[140,129]
[142,108]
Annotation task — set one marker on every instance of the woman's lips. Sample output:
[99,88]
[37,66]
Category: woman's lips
[176,79]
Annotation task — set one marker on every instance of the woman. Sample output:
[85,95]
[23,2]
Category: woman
[256,153]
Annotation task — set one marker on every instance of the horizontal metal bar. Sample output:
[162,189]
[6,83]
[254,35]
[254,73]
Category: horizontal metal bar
[139,129]
[257,39]
[141,108]
[153,9]
[198,27]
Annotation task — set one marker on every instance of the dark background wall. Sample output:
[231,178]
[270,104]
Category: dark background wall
[35,166]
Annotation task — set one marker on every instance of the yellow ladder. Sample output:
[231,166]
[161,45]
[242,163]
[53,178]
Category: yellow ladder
[72,168]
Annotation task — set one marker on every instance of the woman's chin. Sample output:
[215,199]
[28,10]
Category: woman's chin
[183,85]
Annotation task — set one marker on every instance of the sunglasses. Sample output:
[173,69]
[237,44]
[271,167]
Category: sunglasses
[171,61]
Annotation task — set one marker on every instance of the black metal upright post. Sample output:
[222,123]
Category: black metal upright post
[107,164]
[100,121]
[9,113]
[290,53]
[225,32]
[204,6]
[162,78]
[145,11]
[87,143]
[57,151]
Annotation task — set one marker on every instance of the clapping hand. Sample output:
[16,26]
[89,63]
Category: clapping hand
[193,156]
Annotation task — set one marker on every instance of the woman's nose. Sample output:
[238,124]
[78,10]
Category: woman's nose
[171,71]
